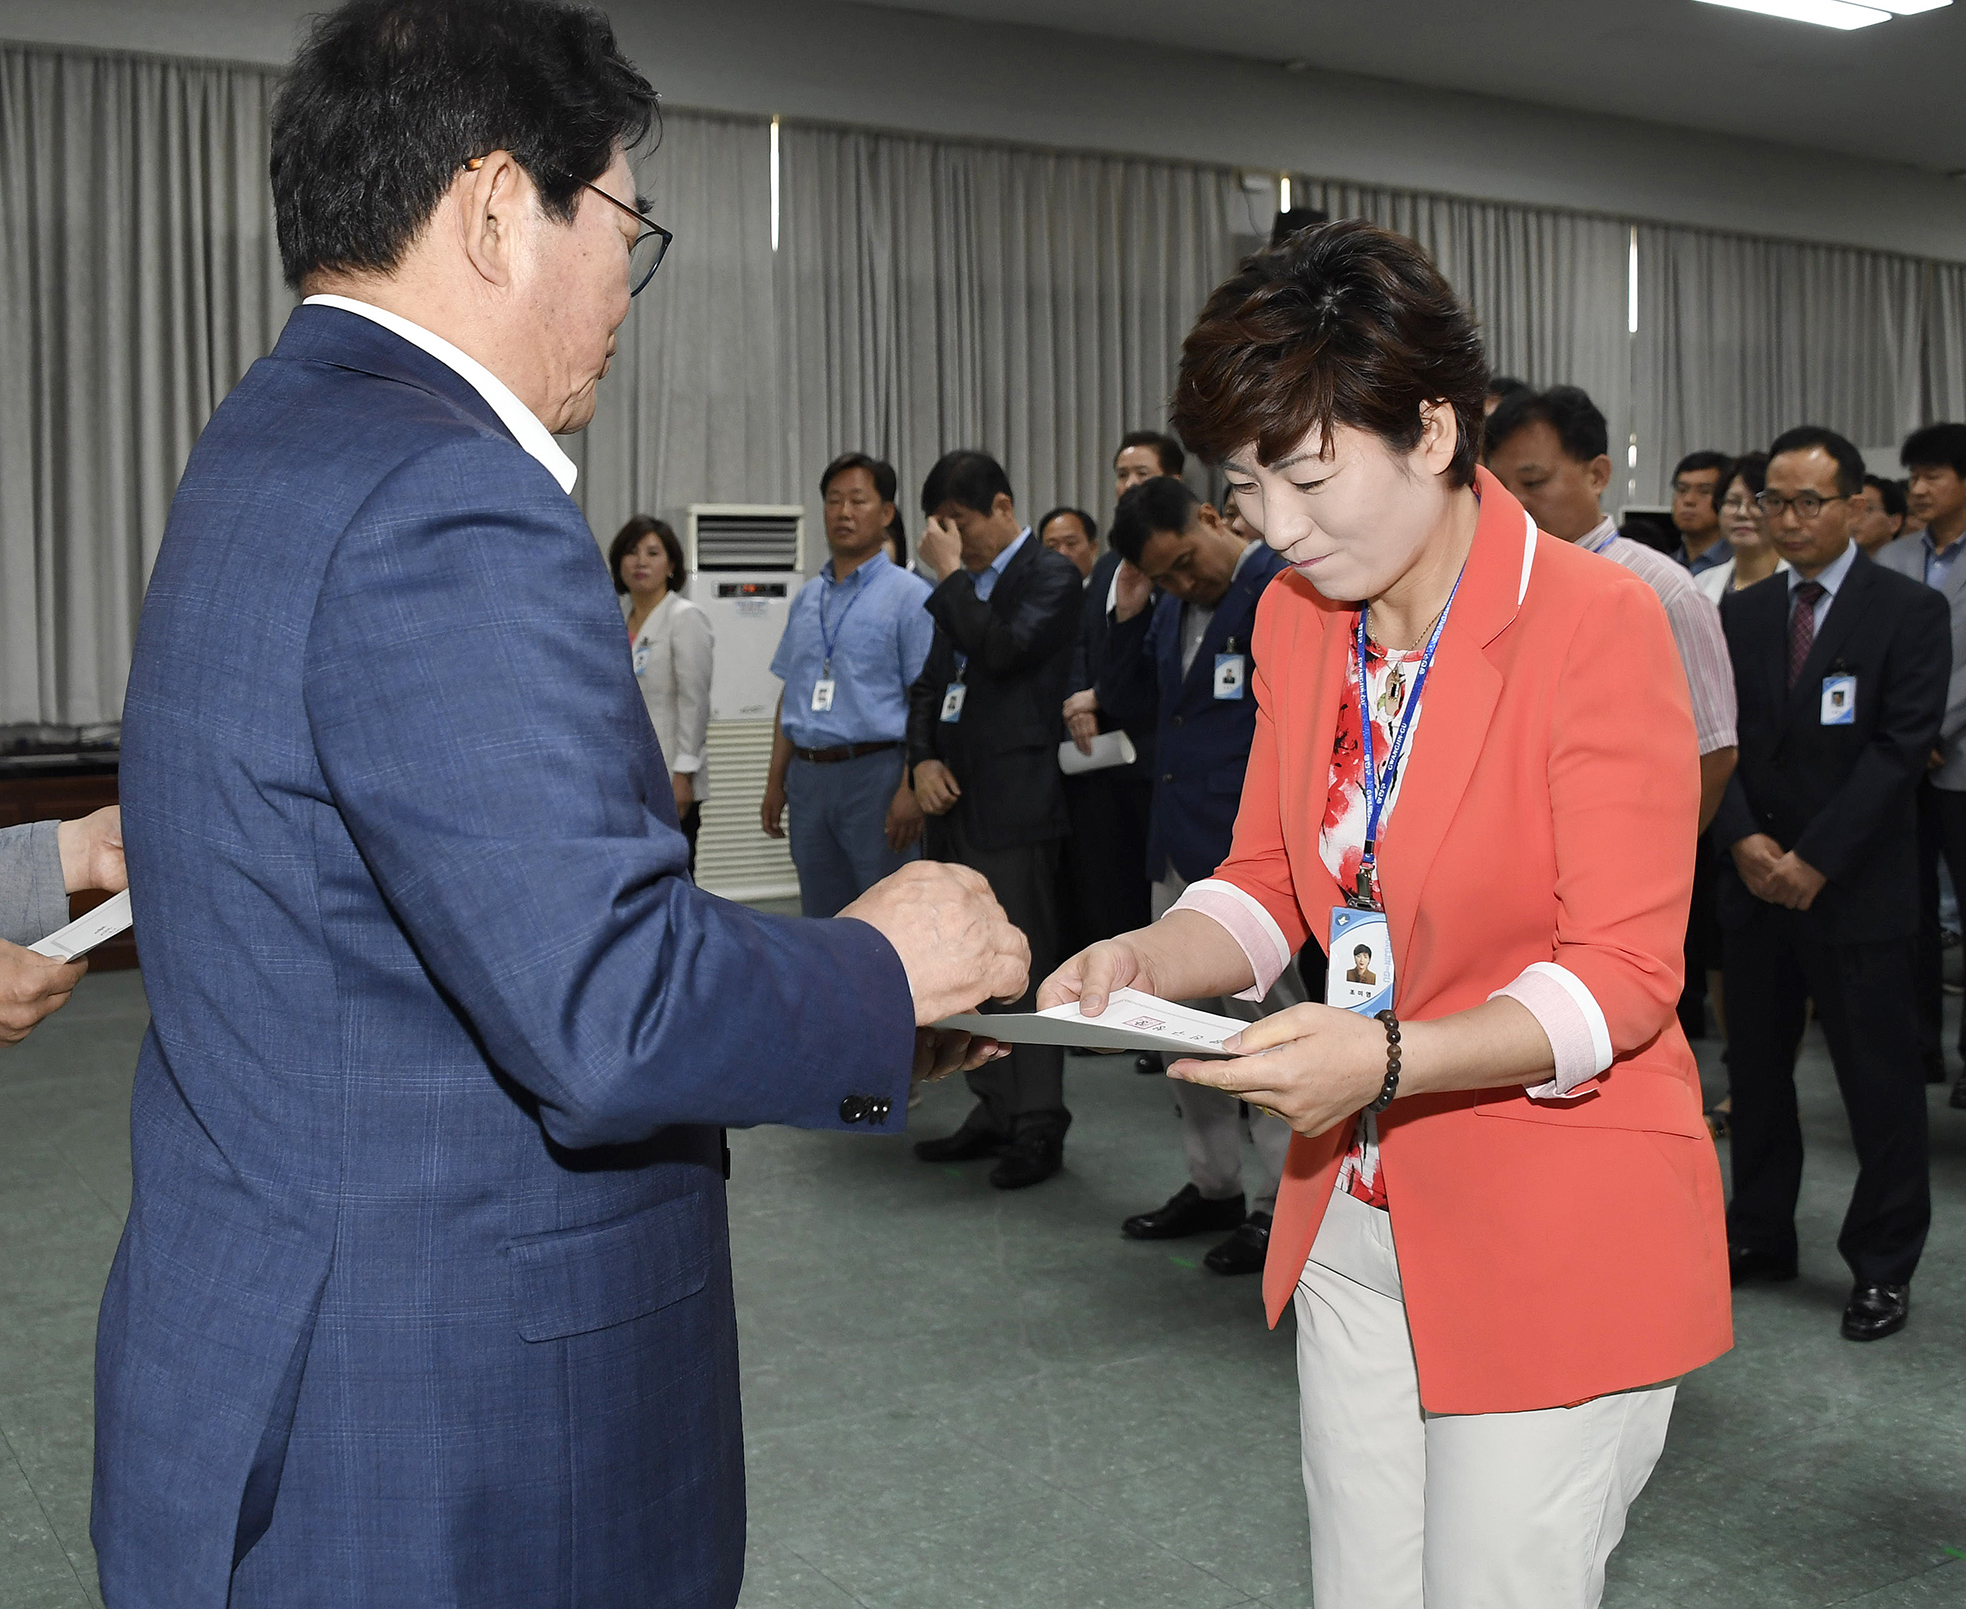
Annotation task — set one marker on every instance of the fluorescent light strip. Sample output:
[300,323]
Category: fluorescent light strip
[1908,8]
[1824,13]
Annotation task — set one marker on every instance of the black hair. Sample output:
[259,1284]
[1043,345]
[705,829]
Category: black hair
[1566,409]
[1896,505]
[1849,462]
[1706,458]
[969,479]
[1940,446]
[629,537]
[1506,386]
[885,484]
[1091,525]
[1362,949]
[388,99]
[1751,468]
[1173,457]
[1160,504]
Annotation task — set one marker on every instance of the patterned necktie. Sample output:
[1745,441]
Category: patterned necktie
[1802,626]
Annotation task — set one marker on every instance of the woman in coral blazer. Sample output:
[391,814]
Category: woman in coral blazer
[1500,1273]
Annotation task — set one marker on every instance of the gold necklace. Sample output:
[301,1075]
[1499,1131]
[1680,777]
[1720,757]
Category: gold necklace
[1424,634]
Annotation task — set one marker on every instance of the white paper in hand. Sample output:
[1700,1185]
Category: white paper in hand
[84,933]
[1131,1021]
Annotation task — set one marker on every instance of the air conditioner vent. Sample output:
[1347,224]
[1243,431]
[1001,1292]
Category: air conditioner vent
[753,538]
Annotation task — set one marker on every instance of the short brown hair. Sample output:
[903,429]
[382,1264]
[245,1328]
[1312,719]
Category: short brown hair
[1343,324]
[629,537]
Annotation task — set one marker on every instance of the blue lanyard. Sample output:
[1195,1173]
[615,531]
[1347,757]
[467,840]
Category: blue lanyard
[826,638]
[1379,789]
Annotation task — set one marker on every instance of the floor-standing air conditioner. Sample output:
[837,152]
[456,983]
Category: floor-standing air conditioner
[746,564]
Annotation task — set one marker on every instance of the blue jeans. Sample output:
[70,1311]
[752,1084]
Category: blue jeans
[838,828]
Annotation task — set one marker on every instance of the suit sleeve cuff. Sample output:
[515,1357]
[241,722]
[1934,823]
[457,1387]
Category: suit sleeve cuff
[687,763]
[1572,1020]
[1248,924]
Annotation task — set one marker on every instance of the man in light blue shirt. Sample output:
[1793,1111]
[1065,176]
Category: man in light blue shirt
[857,637]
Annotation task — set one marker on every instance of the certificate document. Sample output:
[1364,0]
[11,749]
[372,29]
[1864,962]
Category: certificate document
[1131,1021]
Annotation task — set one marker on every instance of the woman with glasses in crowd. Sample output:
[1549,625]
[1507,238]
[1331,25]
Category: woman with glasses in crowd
[1745,530]
[1501,1221]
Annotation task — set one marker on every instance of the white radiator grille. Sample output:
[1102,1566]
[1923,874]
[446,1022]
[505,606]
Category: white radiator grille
[734,858]
[748,539]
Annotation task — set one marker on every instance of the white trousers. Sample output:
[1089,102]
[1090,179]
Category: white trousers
[1213,1121]
[1413,1510]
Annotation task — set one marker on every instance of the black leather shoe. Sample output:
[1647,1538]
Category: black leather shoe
[976,1138]
[1244,1251]
[1876,1311]
[1034,1153]
[1745,1266]
[1958,1100]
[1185,1213]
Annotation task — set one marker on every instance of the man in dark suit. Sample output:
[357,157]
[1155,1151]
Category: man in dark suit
[1184,659]
[424,1295]
[1819,892]
[984,725]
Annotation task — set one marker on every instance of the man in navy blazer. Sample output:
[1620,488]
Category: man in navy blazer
[424,1297]
[1185,661]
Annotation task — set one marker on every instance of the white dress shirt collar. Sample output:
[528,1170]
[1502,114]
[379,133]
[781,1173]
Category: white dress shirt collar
[512,413]
[1830,577]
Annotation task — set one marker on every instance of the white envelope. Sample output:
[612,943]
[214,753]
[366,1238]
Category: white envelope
[1131,1021]
[84,933]
[1108,749]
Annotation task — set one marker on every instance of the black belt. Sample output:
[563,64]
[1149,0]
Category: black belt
[847,751]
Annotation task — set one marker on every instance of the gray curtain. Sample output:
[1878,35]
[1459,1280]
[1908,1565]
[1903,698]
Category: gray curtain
[925,294]
[1740,338]
[693,409]
[138,279]
[937,294]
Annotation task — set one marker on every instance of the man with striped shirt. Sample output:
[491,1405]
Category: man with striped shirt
[1551,450]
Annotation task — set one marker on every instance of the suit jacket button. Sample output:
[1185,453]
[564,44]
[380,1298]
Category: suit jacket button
[853,1108]
[1169,777]
[880,1110]
[1177,720]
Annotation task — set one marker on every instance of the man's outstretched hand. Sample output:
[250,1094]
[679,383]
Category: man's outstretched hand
[955,943]
[32,986]
[92,852]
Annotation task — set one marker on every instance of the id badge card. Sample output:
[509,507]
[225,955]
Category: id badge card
[641,658]
[1839,700]
[952,703]
[822,695]
[1231,675]
[1359,976]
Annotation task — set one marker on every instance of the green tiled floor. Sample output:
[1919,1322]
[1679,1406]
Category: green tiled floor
[959,1397]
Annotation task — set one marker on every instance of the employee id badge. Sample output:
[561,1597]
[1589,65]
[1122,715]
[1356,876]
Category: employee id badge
[641,658]
[1359,976]
[952,703]
[1231,674]
[822,695]
[1839,700]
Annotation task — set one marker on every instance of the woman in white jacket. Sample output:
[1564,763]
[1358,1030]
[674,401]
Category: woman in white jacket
[674,648]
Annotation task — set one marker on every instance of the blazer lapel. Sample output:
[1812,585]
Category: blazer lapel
[1458,704]
[1844,609]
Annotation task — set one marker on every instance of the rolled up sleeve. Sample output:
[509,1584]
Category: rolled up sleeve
[33,895]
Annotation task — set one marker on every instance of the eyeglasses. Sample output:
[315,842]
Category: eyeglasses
[1807,505]
[645,252]
[649,248]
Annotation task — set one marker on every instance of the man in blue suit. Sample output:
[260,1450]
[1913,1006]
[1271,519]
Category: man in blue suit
[424,1297]
[1186,660]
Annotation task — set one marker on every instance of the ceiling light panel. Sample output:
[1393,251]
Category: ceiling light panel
[1824,13]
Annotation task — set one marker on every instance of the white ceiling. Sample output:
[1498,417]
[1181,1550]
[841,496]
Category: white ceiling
[1895,92]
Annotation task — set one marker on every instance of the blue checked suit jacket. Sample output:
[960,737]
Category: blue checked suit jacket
[424,1297]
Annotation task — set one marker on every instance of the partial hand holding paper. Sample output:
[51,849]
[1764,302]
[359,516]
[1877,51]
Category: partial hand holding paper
[1131,1021]
[87,931]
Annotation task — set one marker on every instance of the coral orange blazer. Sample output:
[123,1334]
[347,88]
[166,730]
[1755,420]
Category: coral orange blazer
[1550,1250]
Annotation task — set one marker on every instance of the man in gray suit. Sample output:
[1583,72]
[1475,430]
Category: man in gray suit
[41,864]
[1935,459]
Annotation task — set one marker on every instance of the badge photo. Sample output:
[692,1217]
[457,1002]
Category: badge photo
[1839,700]
[1360,974]
[1231,674]
[822,695]
[952,702]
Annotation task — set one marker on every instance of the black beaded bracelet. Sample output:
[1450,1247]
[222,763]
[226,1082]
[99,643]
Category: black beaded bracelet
[1391,1086]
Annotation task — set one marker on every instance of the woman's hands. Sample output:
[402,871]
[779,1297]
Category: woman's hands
[1314,1066]
[683,785]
